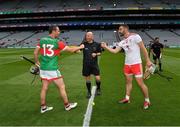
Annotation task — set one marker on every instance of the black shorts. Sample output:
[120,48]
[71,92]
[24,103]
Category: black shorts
[89,69]
[156,57]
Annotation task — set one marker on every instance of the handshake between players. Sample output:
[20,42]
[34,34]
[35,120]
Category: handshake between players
[132,44]
[50,47]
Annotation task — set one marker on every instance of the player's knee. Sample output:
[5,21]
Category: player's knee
[128,81]
[44,88]
[62,86]
[88,78]
[141,85]
[98,78]
[140,81]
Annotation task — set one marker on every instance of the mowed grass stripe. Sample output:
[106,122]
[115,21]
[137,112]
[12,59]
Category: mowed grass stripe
[171,64]
[4,52]
[171,52]
[13,55]
[13,58]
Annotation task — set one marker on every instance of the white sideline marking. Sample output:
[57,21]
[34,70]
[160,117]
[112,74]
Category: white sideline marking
[87,116]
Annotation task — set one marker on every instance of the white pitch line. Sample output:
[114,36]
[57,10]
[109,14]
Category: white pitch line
[87,116]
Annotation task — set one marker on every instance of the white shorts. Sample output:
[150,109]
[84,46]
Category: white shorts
[50,75]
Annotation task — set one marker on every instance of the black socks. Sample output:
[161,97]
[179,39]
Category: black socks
[88,85]
[160,66]
[98,83]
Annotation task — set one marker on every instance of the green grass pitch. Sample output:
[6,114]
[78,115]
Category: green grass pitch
[19,100]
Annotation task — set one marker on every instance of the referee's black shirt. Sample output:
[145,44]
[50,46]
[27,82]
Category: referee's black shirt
[90,48]
[156,47]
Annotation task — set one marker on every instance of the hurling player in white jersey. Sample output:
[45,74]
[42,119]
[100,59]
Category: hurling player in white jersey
[132,45]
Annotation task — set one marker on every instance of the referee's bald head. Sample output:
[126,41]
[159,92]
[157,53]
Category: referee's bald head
[89,37]
[89,33]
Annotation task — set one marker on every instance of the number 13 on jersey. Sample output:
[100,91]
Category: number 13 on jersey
[48,49]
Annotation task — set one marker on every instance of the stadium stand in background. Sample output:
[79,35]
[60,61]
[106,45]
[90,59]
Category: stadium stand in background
[75,37]
[39,5]
[23,22]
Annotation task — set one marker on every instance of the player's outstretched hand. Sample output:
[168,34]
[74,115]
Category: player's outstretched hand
[103,45]
[94,54]
[82,46]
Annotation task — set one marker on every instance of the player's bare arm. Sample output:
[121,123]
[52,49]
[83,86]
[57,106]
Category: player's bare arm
[73,49]
[116,50]
[145,53]
[36,52]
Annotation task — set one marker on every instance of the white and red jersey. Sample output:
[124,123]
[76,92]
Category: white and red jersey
[131,48]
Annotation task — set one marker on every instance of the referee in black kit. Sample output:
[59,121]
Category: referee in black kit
[91,52]
[156,50]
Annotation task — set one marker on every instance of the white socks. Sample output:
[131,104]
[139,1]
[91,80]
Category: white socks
[127,97]
[147,100]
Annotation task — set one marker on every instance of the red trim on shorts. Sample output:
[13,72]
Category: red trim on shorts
[51,78]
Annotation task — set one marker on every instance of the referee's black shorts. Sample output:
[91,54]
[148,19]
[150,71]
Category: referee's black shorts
[157,56]
[89,69]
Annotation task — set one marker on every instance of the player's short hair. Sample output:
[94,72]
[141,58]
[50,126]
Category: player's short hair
[52,28]
[124,25]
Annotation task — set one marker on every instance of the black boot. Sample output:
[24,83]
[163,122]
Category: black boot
[88,95]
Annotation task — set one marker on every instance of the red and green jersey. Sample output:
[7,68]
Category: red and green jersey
[50,48]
